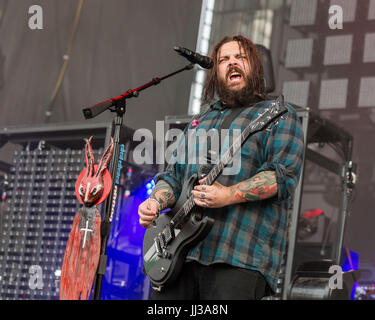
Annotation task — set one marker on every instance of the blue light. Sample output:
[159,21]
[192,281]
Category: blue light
[351,263]
[149,185]
[149,191]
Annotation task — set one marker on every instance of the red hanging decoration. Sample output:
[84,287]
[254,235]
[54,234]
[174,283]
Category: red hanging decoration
[83,248]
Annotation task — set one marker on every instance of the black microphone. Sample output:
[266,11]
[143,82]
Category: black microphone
[193,57]
[97,109]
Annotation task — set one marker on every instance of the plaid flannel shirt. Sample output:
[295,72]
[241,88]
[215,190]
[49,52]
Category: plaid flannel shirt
[249,235]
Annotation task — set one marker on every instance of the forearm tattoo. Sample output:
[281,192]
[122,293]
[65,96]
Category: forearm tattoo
[163,193]
[261,186]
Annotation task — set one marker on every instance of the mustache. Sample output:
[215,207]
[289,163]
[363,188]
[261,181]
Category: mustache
[234,68]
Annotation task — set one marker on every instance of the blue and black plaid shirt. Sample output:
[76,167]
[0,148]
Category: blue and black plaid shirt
[249,235]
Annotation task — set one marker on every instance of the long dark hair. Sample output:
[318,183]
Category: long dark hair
[211,83]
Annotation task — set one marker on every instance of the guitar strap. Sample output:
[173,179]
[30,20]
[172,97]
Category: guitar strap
[225,124]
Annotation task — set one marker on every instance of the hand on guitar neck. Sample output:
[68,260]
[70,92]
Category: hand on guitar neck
[161,198]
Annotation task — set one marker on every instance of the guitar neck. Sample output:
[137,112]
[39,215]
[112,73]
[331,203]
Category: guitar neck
[228,155]
[258,124]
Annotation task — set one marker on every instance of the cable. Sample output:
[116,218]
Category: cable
[64,67]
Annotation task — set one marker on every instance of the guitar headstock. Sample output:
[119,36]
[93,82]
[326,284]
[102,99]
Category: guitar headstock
[271,115]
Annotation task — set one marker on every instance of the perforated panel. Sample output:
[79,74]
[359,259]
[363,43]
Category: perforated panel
[37,223]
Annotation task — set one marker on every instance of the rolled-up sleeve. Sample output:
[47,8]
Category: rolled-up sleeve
[284,152]
[174,171]
[172,177]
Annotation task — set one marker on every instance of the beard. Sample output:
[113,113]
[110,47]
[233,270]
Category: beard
[236,97]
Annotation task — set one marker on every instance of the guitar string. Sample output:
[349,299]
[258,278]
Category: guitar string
[189,204]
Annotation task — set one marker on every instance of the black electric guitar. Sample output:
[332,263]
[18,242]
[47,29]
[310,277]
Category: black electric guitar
[166,244]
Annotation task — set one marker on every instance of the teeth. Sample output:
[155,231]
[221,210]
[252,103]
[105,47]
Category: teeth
[234,74]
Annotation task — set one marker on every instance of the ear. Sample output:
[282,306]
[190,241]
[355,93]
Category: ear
[104,161]
[89,157]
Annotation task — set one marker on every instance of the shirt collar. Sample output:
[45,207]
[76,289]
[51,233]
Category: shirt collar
[218,105]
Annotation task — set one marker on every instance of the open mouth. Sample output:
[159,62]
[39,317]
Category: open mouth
[235,76]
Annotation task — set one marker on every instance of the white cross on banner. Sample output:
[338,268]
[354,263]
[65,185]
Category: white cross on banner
[85,235]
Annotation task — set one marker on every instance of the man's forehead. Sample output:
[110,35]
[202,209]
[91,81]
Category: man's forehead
[231,47]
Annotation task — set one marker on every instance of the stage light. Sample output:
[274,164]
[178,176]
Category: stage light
[333,94]
[338,49]
[127,194]
[203,42]
[296,92]
[348,9]
[299,53]
[371,11]
[303,12]
[366,92]
[369,50]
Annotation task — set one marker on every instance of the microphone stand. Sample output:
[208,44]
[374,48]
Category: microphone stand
[117,105]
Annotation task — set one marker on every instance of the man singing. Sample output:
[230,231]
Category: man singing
[241,256]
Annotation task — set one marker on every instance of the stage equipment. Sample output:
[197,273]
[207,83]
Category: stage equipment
[117,105]
[41,203]
[308,223]
[268,74]
[313,281]
[193,57]
[324,131]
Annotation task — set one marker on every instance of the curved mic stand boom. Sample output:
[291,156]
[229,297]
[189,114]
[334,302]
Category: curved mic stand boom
[117,105]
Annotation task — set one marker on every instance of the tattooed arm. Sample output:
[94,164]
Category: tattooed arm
[162,197]
[261,186]
[163,194]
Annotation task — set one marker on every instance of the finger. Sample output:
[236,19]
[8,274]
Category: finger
[145,224]
[200,202]
[148,217]
[147,211]
[203,188]
[198,194]
[202,180]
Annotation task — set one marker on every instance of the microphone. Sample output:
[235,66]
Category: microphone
[193,57]
[97,109]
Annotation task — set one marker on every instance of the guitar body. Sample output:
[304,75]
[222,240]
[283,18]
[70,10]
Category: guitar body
[162,267]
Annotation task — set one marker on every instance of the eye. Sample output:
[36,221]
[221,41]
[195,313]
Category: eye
[80,190]
[95,190]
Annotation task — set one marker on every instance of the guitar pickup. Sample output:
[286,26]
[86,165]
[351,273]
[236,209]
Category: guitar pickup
[158,248]
[168,233]
[162,240]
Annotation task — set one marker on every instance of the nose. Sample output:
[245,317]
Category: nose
[232,61]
